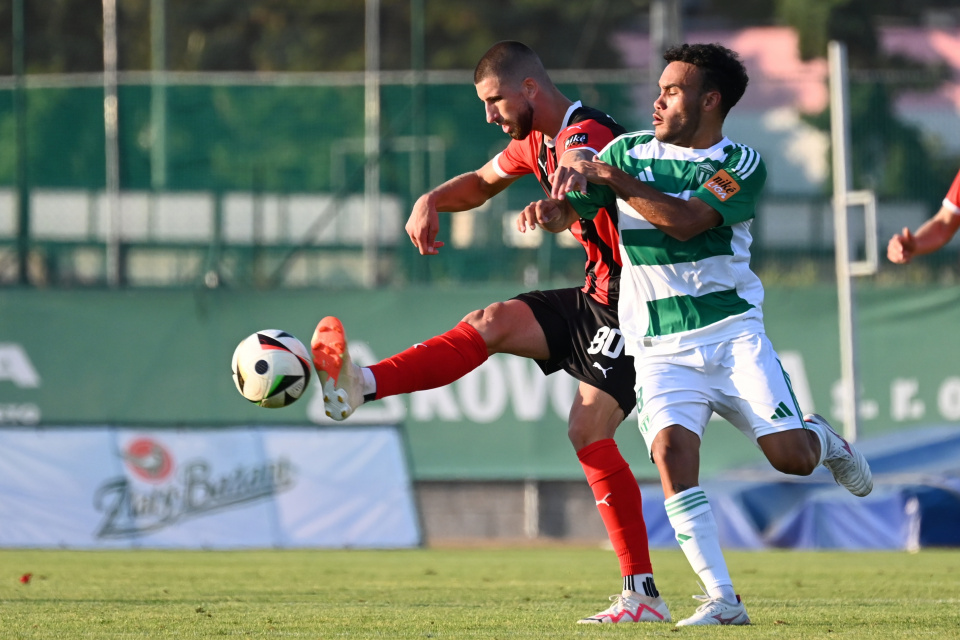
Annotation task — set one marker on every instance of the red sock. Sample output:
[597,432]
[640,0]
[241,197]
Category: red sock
[431,364]
[619,502]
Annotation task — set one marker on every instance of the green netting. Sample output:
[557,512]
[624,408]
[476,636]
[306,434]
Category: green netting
[285,138]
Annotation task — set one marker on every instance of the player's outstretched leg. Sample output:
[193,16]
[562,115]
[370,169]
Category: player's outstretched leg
[848,466]
[631,606]
[342,380]
[717,611]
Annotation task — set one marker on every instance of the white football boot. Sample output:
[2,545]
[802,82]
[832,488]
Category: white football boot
[848,466]
[631,606]
[717,611]
[342,380]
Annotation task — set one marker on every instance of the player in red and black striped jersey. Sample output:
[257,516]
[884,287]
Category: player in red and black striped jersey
[575,329]
[587,130]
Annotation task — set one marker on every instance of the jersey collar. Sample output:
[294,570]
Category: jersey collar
[566,120]
[697,155]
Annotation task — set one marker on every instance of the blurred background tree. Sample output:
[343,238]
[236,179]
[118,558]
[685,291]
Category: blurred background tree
[64,36]
[887,155]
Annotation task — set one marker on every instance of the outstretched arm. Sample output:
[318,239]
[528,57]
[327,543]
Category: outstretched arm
[931,236]
[464,192]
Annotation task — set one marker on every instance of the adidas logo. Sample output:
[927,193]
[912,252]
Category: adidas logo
[782,412]
[646,175]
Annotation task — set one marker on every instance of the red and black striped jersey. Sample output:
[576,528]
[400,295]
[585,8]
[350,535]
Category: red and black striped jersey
[583,128]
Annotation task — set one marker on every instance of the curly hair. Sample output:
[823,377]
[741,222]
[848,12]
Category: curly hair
[721,67]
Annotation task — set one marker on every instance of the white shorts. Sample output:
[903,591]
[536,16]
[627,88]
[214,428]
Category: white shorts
[740,379]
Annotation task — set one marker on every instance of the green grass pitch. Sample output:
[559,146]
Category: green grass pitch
[474,593]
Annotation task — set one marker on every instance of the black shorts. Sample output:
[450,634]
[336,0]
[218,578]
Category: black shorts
[585,341]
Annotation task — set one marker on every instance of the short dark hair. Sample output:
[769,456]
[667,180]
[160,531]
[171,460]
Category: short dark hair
[721,67]
[511,61]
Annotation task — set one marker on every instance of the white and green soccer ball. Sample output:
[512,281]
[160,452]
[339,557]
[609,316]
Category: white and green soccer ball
[271,368]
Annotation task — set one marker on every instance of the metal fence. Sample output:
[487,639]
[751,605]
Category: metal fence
[245,181]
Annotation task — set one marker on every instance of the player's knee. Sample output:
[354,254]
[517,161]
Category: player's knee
[490,324]
[584,433]
[668,453]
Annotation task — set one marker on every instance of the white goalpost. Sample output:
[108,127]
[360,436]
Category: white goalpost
[847,268]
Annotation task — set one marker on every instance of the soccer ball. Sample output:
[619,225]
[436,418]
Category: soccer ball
[271,368]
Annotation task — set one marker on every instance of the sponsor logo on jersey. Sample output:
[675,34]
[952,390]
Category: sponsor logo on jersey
[576,140]
[722,185]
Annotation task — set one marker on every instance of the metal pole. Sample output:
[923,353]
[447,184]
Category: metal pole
[418,117]
[531,508]
[158,94]
[664,33]
[20,119]
[111,142]
[371,231]
[840,141]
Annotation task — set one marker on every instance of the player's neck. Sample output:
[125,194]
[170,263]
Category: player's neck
[550,115]
[703,139]
[707,140]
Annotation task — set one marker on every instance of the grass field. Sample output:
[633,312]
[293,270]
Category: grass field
[459,593]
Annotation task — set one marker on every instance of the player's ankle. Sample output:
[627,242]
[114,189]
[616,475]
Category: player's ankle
[369,383]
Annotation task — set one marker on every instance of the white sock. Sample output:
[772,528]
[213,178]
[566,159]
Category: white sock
[822,435]
[369,383]
[692,520]
[641,583]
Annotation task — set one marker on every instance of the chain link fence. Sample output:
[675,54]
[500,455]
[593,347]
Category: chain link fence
[251,181]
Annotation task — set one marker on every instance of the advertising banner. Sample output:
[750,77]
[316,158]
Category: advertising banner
[163,357]
[103,487]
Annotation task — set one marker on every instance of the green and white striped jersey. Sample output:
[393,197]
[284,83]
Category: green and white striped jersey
[675,295]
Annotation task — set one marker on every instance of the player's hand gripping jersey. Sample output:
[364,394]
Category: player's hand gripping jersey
[583,128]
[673,294]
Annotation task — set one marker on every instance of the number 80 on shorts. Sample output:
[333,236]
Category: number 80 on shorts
[607,341]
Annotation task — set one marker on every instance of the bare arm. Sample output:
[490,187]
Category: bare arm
[555,214]
[464,192]
[678,218]
[932,235]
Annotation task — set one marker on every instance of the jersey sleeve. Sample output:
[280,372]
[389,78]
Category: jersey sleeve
[514,160]
[588,135]
[952,199]
[734,190]
[598,196]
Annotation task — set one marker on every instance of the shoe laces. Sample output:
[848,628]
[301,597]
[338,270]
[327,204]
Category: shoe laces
[619,603]
[706,599]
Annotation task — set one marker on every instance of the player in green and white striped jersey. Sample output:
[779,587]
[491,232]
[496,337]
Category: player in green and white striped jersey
[691,308]
[686,293]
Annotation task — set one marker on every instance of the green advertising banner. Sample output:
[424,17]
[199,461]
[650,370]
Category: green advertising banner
[162,358]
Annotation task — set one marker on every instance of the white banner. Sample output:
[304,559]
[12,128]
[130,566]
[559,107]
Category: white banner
[206,488]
